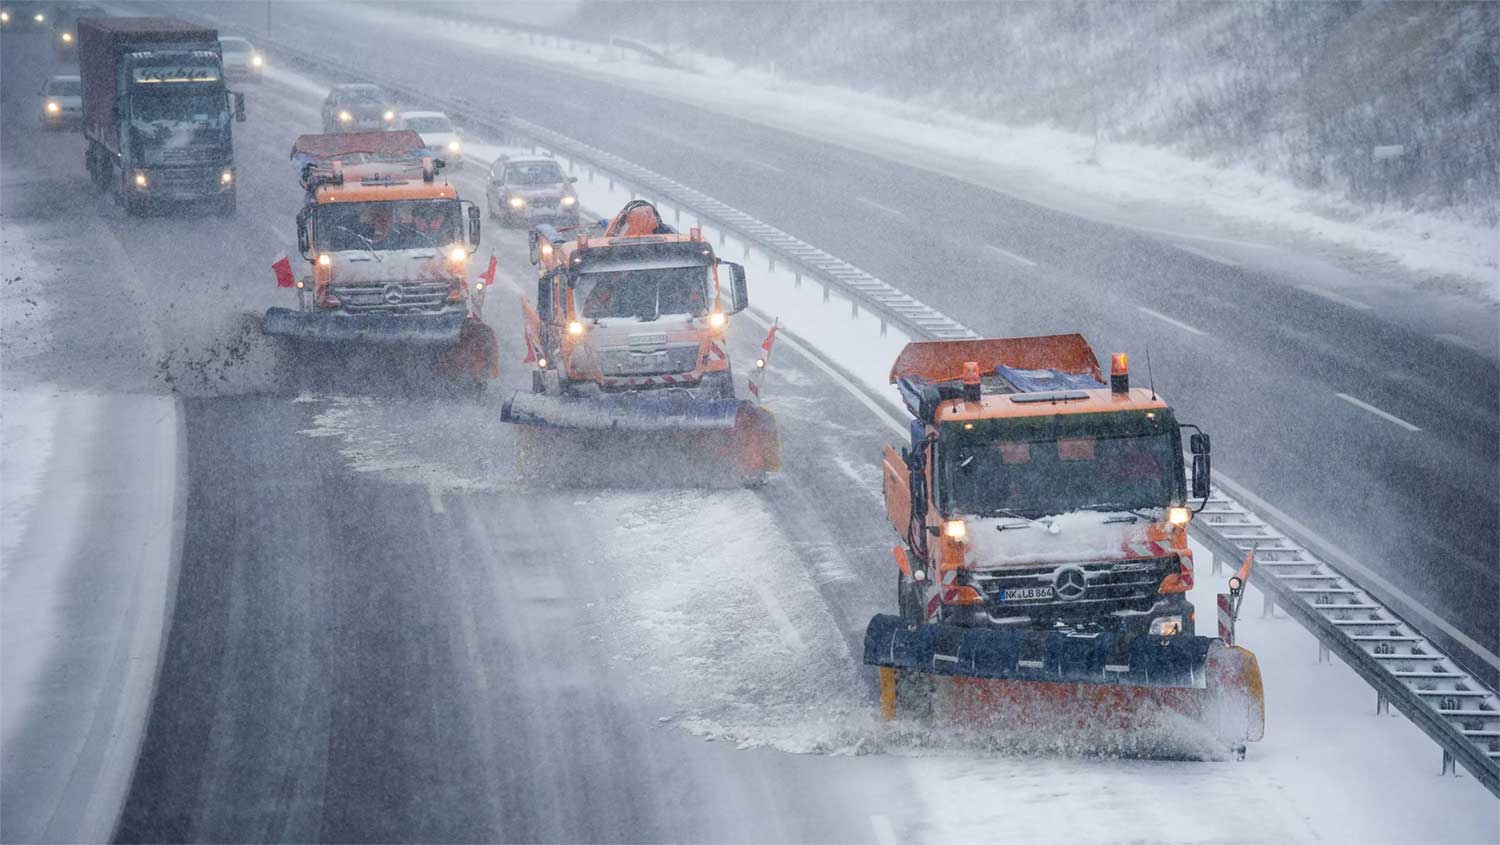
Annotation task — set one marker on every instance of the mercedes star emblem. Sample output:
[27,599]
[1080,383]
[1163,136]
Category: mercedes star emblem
[1069,583]
[393,295]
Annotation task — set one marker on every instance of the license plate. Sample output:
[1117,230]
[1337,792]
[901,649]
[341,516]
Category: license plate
[1026,594]
[650,363]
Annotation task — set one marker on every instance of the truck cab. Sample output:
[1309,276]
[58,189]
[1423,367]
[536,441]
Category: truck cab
[1034,495]
[381,232]
[641,308]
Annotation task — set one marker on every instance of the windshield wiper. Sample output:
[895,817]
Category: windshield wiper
[1049,527]
[369,244]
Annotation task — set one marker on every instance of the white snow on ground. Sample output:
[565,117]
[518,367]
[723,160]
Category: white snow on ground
[1130,183]
[27,432]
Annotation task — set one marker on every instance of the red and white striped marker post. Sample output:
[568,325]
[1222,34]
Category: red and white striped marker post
[764,360]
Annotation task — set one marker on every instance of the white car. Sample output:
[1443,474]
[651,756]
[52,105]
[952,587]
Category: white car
[241,60]
[438,133]
[62,102]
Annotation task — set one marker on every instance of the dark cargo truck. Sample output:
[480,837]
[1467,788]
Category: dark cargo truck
[156,111]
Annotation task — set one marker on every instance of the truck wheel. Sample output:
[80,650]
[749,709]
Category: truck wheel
[909,601]
[538,384]
[227,205]
[134,206]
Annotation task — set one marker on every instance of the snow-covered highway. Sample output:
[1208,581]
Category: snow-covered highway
[380,633]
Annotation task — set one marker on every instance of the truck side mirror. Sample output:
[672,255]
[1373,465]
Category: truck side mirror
[239,107]
[739,291]
[1200,475]
[473,225]
[572,179]
[304,239]
[1198,444]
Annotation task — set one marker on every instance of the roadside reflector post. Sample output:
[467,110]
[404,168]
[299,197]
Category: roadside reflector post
[1323,653]
[1217,566]
[825,292]
[770,263]
[747,248]
[882,327]
[1382,704]
[676,215]
[721,237]
[853,307]
[1267,606]
[797,279]
[1450,765]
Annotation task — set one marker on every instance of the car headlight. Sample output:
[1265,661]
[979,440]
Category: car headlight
[53,107]
[569,202]
[226,177]
[389,115]
[954,529]
[39,17]
[1166,626]
[67,38]
[140,179]
[256,60]
[716,320]
[1179,515]
[345,116]
[575,328]
[4,17]
[517,202]
[454,146]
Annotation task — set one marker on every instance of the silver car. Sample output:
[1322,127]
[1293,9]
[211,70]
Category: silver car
[241,60]
[61,102]
[522,191]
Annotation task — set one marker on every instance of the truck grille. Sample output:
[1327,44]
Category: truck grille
[393,296]
[1112,585]
[671,360]
[185,181]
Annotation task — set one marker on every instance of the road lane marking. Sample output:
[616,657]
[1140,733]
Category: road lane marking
[885,832]
[1168,320]
[1019,259]
[1377,412]
[1335,297]
[1207,256]
[887,209]
[762,165]
[435,498]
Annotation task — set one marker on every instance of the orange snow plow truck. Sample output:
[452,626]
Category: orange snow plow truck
[1043,557]
[628,337]
[388,244]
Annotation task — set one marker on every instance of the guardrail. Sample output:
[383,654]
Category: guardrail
[1454,708]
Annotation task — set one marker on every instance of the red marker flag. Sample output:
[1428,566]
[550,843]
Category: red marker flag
[284,277]
[489,274]
[770,338]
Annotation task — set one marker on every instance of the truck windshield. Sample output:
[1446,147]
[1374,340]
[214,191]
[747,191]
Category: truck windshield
[391,224]
[64,88]
[540,173]
[643,294]
[180,119]
[1040,466]
[429,124]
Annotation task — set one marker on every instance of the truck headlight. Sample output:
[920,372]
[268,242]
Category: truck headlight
[4,17]
[39,17]
[325,260]
[67,38]
[389,115]
[53,107]
[516,202]
[256,60]
[458,255]
[345,116]
[226,177]
[140,179]
[454,146]
[1166,626]
[569,202]
[575,328]
[954,529]
[1179,515]
[716,320]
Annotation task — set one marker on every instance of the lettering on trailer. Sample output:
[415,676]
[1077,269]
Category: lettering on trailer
[1226,619]
[179,73]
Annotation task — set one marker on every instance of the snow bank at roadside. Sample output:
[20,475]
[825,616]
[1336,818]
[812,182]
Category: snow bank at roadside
[1129,184]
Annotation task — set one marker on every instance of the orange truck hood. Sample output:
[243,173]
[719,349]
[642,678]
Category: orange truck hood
[1071,537]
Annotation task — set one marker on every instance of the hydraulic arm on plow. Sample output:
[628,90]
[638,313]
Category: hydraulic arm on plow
[1043,557]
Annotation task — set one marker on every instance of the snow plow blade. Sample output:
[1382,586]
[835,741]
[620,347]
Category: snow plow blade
[1052,681]
[750,430]
[435,330]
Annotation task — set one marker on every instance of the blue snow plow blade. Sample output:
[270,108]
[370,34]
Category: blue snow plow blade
[436,330]
[622,413]
[1040,656]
